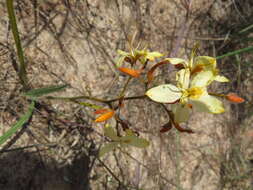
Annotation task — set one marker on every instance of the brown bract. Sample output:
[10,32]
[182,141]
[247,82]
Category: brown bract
[150,74]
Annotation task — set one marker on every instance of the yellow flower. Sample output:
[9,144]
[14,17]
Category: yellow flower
[134,55]
[187,92]
[200,65]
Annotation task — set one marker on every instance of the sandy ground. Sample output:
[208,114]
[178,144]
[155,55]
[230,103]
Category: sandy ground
[75,42]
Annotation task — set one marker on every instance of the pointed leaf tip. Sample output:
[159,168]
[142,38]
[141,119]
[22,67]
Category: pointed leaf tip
[34,93]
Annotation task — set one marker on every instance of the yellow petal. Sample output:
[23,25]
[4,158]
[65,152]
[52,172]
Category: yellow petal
[123,53]
[176,61]
[166,93]
[120,61]
[107,148]
[219,78]
[202,79]
[183,78]
[207,103]
[206,61]
[152,55]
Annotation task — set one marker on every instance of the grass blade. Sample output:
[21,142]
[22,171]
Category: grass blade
[14,28]
[18,125]
[232,53]
[34,93]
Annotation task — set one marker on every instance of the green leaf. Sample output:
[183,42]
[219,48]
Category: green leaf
[107,148]
[22,65]
[111,133]
[34,93]
[135,141]
[90,105]
[18,125]
[181,112]
[166,93]
[239,51]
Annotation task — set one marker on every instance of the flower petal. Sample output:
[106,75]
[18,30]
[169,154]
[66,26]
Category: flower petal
[123,53]
[219,78]
[152,55]
[202,79]
[107,148]
[207,103]
[206,61]
[181,112]
[166,93]
[183,78]
[176,61]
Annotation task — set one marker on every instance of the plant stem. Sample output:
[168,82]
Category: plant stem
[218,95]
[125,87]
[243,50]
[14,28]
[95,99]
[77,98]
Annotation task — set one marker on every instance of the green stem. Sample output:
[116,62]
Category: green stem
[77,98]
[125,87]
[13,24]
[218,95]
[127,98]
[243,50]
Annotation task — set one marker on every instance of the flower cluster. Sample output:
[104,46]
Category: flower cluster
[190,93]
